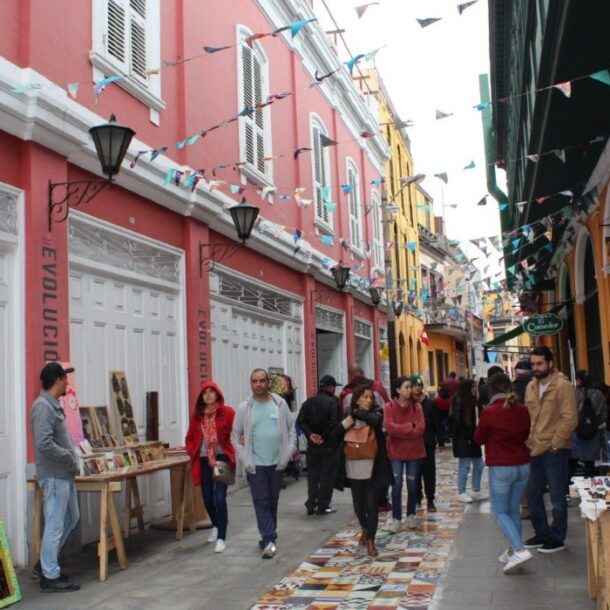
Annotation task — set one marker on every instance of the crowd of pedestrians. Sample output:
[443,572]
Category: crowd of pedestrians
[536,430]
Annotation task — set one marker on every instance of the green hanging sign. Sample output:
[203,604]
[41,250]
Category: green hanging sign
[543,324]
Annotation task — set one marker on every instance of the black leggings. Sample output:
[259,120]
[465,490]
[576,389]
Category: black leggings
[364,497]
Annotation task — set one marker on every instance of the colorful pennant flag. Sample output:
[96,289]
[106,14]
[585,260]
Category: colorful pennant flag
[462,7]
[360,10]
[424,23]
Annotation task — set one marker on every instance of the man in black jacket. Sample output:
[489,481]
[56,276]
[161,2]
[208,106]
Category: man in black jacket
[523,375]
[318,418]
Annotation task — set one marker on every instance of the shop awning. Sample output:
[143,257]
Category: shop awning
[515,332]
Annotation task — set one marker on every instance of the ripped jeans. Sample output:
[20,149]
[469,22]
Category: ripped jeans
[412,469]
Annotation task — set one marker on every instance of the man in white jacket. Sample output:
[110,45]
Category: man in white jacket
[265,440]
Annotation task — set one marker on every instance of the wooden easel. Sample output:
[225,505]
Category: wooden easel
[132,512]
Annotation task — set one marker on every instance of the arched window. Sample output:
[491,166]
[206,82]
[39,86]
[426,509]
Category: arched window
[353,199]
[254,123]
[320,161]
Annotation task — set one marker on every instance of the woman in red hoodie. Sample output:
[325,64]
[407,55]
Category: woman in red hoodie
[208,441]
[503,428]
[403,419]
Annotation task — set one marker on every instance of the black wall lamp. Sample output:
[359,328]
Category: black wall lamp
[111,142]
[398,306]
[244,216]
[340,275]
[375,295]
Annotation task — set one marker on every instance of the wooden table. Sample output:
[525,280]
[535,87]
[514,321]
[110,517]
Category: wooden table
[597,529]
[107,484]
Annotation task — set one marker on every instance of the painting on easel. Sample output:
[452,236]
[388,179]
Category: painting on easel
[9,587]
[121,401]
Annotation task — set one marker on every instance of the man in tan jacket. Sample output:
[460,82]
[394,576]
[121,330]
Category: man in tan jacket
[551,401]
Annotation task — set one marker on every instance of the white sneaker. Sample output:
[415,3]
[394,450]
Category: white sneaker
[394,526]
[220,546]
[505,557]
[213,537]
[479,495]
[464,498]
[516,560]
[269,551]
[411,522]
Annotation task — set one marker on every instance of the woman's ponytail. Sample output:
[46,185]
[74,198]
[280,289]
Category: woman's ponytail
[510,400]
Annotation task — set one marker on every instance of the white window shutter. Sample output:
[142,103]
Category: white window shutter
[253,124]
[138,49]
[116,30]
[317,172]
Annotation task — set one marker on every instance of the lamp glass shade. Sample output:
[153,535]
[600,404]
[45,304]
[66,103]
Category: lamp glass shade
[340,275]
[375,295]
[244,216]
[111,143]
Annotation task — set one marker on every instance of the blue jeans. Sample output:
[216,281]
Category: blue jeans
[464,469]
[506,486]
[549,470]
[61,515]
[412,469]
[215,497]
[265,485]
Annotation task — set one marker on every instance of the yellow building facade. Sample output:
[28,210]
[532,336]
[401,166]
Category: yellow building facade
[582,286]
[403,278]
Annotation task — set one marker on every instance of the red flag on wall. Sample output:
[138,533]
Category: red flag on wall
[424,338]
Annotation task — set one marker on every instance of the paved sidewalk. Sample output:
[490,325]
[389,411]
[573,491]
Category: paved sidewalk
[474,577]
[439,567]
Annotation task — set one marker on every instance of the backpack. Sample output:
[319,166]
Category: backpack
[588,422]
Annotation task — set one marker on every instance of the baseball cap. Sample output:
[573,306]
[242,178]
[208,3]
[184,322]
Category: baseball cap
[416,380]
[523,365]
[53,370]
[328,380]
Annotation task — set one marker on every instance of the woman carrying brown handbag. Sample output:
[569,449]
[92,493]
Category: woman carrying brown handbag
[363,463]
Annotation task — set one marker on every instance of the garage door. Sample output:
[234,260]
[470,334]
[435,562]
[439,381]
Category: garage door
[253,326]
[12,407]
[123,320]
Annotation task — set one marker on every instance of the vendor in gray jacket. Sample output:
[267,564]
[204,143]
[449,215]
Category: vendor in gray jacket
[56,467]
[265,441]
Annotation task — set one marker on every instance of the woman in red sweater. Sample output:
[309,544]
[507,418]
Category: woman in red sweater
[403,419]
[208,441]
[503,428]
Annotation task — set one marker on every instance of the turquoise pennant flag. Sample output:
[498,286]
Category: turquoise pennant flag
[297,26]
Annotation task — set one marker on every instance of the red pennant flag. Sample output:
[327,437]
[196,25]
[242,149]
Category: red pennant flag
[424,338]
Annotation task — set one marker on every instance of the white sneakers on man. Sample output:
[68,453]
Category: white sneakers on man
[269,551]
[394,526]
[220,546]
[518,558]
[505,557]
[464,497]
[213,537]
[479,495]
[411,522]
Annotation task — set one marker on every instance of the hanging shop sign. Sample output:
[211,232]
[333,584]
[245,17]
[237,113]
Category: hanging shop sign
[543,324]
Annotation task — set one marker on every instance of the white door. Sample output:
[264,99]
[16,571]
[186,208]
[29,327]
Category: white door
[243,341]
[118,324]
[12,471]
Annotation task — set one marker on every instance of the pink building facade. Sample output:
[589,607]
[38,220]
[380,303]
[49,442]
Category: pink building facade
[144,278]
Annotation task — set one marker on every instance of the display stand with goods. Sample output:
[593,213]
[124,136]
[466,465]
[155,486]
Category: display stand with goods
[123,407]
[594,496]
[9,587]
[108,483]
[281,384]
